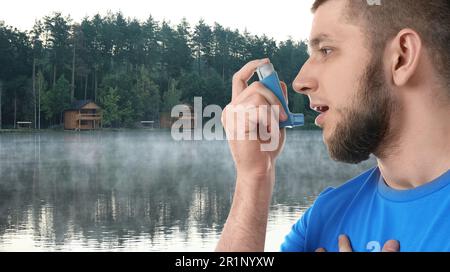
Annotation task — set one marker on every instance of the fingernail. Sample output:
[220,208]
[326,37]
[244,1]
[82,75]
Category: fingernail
[264,60]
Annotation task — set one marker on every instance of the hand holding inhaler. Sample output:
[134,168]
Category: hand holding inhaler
[269,78]
[255,168]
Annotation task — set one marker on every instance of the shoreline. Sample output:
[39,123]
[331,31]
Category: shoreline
[309,127]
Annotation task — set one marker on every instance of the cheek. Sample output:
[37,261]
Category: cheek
[341,75]
[339,86]
[340,83]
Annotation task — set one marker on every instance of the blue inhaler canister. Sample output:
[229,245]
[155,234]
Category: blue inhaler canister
[269,78]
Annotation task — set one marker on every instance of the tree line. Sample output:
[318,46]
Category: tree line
[134,70]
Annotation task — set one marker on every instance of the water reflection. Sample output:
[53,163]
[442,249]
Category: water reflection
[140,190]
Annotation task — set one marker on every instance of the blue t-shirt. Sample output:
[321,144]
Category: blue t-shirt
[370,213]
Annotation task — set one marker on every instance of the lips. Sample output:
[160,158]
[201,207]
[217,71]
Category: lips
[322,109]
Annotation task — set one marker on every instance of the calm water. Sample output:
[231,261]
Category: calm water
[142,191]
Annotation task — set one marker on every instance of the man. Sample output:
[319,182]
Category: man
[379,74]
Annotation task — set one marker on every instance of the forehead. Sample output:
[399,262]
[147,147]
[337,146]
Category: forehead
[330,24]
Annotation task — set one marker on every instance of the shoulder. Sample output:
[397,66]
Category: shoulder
[351,186]
[343,195]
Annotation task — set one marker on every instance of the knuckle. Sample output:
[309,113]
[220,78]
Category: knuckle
[236,76]
[258,99]
[256,85]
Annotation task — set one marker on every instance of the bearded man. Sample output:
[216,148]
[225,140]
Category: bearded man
[379,74]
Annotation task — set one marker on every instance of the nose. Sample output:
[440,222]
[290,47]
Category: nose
[305,83]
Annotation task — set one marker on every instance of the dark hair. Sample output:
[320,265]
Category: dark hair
[383,19]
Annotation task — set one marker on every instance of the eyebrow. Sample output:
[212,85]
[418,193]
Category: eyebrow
[314,42]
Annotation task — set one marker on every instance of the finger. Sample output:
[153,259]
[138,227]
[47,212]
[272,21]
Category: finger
[344,244]
[265,113]
[285,91]
[240,78]
[270,97]
[321,250]
[244,119]
[391,246]
[265,130]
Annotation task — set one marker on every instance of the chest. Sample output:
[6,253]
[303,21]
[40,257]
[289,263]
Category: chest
[417,226]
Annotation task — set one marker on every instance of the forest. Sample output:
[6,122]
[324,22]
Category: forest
[135,70]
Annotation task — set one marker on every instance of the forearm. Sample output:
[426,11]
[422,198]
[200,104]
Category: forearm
[245,228]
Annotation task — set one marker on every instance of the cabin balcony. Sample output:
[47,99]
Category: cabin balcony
[89,116]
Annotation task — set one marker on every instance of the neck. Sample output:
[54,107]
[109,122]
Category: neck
[420,150]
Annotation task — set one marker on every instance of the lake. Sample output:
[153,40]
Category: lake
[139,190]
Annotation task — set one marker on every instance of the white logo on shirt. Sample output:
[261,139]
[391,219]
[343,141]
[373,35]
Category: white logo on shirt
[373,246]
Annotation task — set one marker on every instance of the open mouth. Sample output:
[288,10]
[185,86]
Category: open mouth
[320,109]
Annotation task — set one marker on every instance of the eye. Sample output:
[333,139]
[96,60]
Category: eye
[325,51]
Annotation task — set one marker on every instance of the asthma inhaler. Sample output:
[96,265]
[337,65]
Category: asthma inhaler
[269,78]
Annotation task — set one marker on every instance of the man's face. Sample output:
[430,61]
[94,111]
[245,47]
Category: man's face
[344,81]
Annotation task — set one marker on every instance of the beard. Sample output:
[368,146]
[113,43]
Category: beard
[366,123]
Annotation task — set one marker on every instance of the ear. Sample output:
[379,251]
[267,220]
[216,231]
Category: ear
[406,50]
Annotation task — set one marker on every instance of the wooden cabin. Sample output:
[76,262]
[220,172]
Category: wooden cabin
[83,115]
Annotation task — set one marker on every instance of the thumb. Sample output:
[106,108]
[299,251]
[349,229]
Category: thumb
[285,91]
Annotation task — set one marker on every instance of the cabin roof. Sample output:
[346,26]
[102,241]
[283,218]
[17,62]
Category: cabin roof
[79,104]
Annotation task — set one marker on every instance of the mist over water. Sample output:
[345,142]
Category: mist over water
[139,190]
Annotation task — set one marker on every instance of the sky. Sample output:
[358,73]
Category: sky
[278,19]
